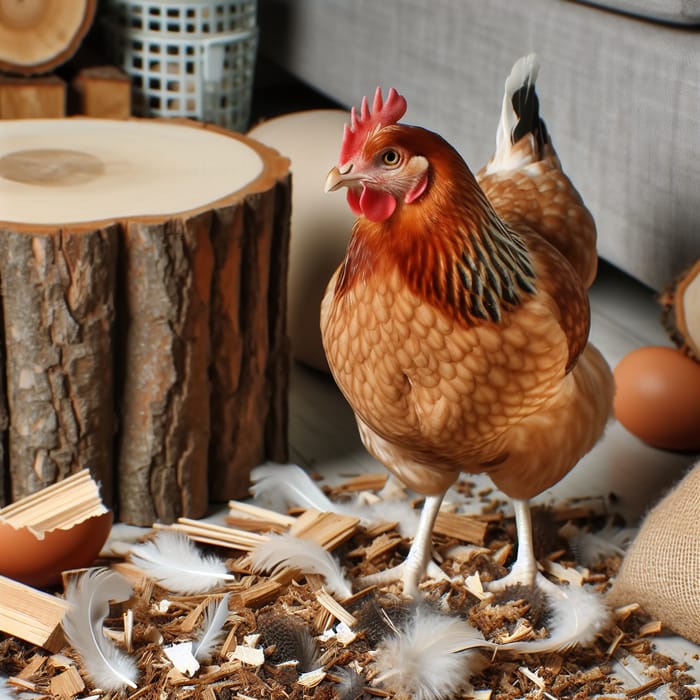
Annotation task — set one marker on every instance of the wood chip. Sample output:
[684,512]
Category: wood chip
[218,535]
[327,529]
[312,678]
[67,684]
[564,573]
[533,677]
[461,527]
[644,688]
[623,612]
[253,656]
[474,585]
[192,618]
[240,508]
[34,665]
[335,608]
[31,615]
[650,628]
[182,658]
[362,482]
[383,544]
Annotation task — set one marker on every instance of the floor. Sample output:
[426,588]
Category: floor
[628,475]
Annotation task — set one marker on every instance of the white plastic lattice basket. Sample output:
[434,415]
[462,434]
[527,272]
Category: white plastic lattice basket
[186,58]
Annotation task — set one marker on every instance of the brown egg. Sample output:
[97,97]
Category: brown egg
[39,561]
[658,397]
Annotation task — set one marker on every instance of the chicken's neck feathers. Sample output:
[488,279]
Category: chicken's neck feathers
[452,250]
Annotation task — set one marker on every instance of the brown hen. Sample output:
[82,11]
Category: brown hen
[457,324]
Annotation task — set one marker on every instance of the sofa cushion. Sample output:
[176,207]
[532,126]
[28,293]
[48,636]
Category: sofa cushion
[674,11]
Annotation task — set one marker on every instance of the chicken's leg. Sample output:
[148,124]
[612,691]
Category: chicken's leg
[413,567]
[524,570]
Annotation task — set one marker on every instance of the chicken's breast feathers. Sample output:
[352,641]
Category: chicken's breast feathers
[439,389]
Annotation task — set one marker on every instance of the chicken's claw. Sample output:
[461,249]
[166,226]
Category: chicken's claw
[418,559]
[409,573]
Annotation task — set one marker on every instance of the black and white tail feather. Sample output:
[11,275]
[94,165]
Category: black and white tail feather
[520,118]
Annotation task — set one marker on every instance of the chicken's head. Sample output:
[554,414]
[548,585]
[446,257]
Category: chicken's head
[375,163]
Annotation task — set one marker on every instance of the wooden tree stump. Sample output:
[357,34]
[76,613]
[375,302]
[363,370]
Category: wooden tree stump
[143,279]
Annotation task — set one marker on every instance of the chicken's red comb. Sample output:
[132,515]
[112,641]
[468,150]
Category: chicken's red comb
[384,112]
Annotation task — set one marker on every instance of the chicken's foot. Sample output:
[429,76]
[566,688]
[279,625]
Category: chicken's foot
[411,570]
[524,569]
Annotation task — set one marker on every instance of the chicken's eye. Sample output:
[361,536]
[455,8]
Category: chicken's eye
[391,157]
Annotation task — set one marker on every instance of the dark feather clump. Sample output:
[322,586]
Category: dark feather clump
[533,596]
[545,532]
[377,618]
[288,639]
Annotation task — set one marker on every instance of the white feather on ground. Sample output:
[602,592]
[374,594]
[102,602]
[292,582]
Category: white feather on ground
[89,596]
[350,685]
[212,631]
[577,615]
[175,562]
[430,657]
[592,547]
[307,556]
[280,486]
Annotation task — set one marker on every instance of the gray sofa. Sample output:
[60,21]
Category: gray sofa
[620,95]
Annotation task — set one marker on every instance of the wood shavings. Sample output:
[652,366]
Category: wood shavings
[274,618]
[182,658]
[253,656]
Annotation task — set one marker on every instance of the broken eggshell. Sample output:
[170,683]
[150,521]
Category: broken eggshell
[38,559]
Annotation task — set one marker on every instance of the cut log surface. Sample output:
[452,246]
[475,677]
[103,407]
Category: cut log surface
[38,35]
[143,281]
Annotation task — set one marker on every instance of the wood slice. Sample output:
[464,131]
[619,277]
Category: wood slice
[144,306]
[39,35]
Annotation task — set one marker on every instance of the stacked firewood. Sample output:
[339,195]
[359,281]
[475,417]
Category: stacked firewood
[47,71]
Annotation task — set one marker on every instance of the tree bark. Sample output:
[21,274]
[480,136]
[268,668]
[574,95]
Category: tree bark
[249,395]
[150,347]
[58,312]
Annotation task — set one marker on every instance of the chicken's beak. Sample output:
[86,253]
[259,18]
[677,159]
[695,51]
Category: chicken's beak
[337,179]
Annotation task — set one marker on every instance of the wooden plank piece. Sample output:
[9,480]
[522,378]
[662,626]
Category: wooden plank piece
[67,684]
[32,98]
[32,615]
[461,527]
[103,92]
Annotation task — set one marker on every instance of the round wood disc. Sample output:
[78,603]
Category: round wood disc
[60,171]
[38,35]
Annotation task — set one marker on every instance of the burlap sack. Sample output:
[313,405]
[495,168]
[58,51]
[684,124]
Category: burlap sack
[661,569]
